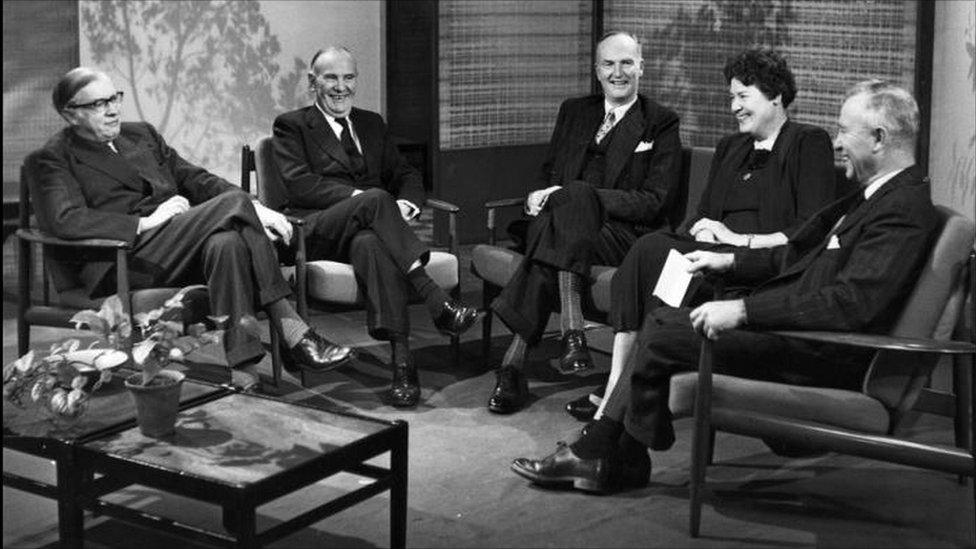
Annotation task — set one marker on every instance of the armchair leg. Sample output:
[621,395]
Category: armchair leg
[488,292]
[962,379]
[702,434]
[275,356]
[711,446]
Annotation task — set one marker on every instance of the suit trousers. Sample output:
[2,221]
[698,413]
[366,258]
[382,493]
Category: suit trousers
[220,242]
[368,232]
[667,344]
[632,286]
[570,234]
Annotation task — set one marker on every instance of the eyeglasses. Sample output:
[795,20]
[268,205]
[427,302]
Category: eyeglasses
[100,104]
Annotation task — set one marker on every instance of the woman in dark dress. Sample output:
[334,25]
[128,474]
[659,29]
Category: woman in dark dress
[764,182]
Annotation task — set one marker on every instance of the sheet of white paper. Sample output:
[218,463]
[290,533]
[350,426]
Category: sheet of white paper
[674,280]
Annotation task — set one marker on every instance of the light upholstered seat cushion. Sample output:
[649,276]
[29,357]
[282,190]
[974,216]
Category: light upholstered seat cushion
[335,282]
[836,407]
[497,265]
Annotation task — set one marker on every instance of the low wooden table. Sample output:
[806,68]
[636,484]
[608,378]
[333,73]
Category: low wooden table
[241,451]
[33,432]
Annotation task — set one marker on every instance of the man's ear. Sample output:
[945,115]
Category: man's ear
[881,137]
[311,79]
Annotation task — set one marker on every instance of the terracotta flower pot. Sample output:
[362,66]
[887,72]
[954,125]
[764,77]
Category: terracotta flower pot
[156,403]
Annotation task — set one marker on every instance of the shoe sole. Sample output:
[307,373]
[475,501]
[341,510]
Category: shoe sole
[582,484]
[502,411]
[329,368]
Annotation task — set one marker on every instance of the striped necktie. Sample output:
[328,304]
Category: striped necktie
[606,126]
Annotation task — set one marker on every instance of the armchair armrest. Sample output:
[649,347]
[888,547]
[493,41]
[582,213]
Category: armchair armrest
[493,205]
[875,341]
[452,211]
[36,236]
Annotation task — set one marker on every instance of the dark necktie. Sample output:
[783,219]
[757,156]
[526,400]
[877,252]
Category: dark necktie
[348,145]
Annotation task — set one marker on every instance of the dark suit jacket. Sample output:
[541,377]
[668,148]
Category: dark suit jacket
[804,160]
[861,283]
[81,189]
[639,188]
[316,170]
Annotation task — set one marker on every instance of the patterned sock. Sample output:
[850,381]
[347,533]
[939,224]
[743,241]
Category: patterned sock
[570,286]
[284,316]
[515,355]
[401,348]
[432,294]
[600,439]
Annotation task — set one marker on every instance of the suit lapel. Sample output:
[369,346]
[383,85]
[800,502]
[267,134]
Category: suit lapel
[324,138]
[624,141]
[359,127]
[101,158]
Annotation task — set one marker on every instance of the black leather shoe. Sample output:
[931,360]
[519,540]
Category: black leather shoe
[405,390]
[564,468]
[581,408]
[455,318]
[576,355]
[511,391]
[314,353]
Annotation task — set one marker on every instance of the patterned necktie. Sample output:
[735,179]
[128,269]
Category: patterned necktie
[348,145]
[606,126]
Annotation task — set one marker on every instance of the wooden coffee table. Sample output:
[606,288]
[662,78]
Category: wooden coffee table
[33,432]
[241,451]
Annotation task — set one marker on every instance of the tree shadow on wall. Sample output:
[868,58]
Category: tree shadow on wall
[203,72]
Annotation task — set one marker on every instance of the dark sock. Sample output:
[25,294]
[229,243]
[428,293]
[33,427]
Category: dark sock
[515,354]
[600,439]
[291,326]
[570,288]
[432,294]
[401,348]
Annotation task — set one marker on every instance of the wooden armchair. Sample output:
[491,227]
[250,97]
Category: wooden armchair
[69,295]
[331,285]
[863,423]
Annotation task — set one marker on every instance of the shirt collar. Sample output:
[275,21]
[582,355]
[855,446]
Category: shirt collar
[767,144]
[618,111]
[877,182]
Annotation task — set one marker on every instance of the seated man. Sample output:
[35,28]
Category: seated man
[103,178]
[850,267]
[611,174]
[344,176]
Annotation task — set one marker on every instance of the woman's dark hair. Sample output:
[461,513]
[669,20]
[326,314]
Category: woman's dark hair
[765,69]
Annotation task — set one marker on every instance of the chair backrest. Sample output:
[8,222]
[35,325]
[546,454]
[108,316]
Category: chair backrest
[699,161]
[270,188]
[931,312]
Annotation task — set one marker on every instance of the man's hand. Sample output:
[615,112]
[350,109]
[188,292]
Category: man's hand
[173,206]
[408,210]
[537,200]
[712,318]
[276,225]
[703,261]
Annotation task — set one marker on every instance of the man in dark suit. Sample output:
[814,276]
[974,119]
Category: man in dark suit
[850,267]
[344,176]
[611,174]
[102,178]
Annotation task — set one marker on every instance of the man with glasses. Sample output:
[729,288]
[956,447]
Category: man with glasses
[611,175]
[342,174]
[104,178]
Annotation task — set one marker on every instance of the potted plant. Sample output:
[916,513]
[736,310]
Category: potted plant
[162,339]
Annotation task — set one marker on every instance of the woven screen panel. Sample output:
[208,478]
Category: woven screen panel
[505,66]
[829,45]
[40,43]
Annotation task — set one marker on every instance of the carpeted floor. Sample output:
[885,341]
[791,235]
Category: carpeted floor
[462,494]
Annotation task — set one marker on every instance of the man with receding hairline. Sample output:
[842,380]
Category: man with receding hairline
[104,178]
[343,175]
[611,175]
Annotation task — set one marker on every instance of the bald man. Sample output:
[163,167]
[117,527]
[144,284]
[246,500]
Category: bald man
[344,176]
[611,175]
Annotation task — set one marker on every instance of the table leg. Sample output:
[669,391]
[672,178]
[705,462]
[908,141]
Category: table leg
[398,492]
[71,519]
[241,521]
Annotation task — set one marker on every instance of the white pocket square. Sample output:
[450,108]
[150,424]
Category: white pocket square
[833,244]
[644,146]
